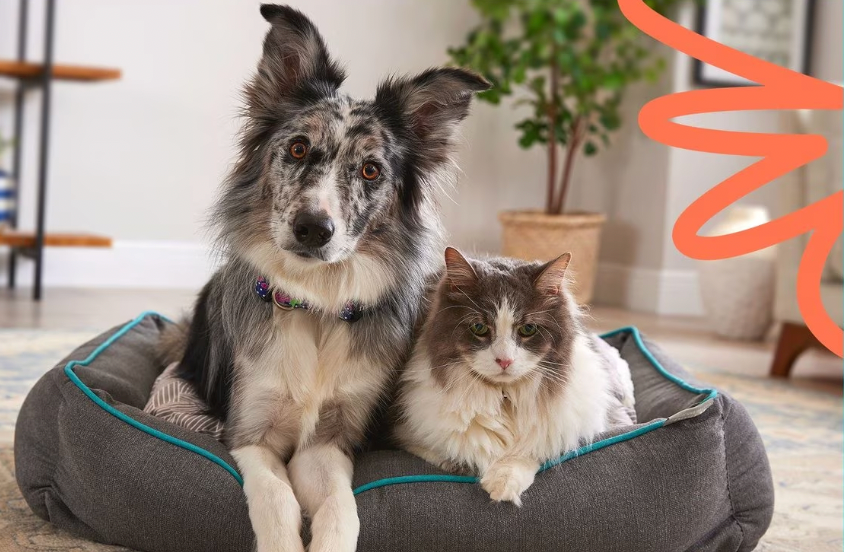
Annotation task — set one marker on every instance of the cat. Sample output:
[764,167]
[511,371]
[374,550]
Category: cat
[504,376]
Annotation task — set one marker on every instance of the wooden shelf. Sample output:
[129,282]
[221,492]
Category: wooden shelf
[26,70]
[26,240]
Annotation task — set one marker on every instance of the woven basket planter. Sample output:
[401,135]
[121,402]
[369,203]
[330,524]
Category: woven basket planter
[535,235]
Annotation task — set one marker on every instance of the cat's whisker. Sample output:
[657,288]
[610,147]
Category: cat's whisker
[551,362]
[546,334]
[470,299]
[541,381]
[552,372]
[457,307]
[455,380]
[466,318]
[538,313]
[464,395]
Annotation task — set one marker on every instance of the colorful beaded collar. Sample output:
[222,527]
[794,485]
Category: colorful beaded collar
[351,311]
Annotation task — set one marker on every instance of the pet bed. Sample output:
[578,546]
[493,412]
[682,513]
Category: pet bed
[693,475]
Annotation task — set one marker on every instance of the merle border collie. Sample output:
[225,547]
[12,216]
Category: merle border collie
[330,231]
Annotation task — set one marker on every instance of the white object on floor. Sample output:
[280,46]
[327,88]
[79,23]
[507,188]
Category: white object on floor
[738,293]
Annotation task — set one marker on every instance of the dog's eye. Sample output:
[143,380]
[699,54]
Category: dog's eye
[527,330]
[479,329]
[370,171]
[298,150]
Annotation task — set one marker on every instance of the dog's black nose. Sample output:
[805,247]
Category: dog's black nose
[313,229]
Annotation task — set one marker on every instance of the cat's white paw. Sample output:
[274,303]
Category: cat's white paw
[506,480]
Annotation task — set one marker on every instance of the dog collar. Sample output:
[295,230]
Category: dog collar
[351,311]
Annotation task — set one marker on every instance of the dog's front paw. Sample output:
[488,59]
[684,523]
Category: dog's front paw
[335,526]
[506,480]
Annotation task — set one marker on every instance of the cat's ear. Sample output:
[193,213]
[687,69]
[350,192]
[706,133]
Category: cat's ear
[458,271]
[552,275]
[294,55]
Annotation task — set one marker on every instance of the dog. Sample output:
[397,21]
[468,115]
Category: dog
[330,230]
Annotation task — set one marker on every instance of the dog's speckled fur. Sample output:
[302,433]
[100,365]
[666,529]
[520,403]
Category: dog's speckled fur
[298,388]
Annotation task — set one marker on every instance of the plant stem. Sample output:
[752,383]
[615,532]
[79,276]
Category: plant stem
[571,150]
[552,132]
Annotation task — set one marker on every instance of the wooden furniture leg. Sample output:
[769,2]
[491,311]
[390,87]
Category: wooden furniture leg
[794,340]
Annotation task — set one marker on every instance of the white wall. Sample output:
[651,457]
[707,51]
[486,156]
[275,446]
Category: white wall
[693,173]
[140,159]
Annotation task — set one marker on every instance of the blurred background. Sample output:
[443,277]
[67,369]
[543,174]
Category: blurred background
[142,124]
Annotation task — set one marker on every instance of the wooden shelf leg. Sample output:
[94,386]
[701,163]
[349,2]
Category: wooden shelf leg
[46,89]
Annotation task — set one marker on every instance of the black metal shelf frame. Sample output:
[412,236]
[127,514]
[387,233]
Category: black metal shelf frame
[45,82]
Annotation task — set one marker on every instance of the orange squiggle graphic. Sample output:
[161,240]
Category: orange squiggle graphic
[781,89]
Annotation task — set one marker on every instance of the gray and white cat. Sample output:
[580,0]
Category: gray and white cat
[504,376]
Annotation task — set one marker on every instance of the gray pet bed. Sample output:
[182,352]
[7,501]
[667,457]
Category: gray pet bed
[692,476]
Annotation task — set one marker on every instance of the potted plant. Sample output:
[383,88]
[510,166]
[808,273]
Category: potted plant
[570,62]
[6,191]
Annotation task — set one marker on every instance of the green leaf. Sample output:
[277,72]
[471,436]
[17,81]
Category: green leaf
[535,23]
[595,50]
[498,9]
[561,16]
[578,20]
[519,74]
[614,81]
[610,120]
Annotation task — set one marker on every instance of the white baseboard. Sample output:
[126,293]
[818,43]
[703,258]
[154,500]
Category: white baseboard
[649,290]
[187,265]
[128,264]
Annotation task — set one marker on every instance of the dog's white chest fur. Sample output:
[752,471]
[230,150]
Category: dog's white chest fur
[306,363]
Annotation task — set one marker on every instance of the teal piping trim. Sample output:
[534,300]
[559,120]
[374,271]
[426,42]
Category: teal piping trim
[68,370]
[637,337]
[655,424]
[592,447]
[415,479]
[647,428]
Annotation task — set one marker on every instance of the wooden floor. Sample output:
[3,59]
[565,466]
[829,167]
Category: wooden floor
[686,339]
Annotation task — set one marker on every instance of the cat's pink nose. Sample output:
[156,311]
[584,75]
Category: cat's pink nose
[504,362]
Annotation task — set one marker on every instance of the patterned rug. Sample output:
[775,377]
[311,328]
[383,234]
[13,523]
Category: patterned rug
[802,431]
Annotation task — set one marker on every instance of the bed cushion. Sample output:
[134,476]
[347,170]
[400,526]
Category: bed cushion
[692,476]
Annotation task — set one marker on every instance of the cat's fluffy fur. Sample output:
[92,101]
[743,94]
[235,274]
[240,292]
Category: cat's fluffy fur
[297,389]
[459,409]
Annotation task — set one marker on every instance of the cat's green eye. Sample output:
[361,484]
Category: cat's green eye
[479,329]
[527,330]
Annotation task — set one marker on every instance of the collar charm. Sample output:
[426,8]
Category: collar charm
[351,311]
[262,288]
[284,301]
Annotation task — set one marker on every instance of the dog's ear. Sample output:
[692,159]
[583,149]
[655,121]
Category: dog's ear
[431,104]
[294,56]
[458,271]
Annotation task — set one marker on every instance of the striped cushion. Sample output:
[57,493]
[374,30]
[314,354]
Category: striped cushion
[175,400]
